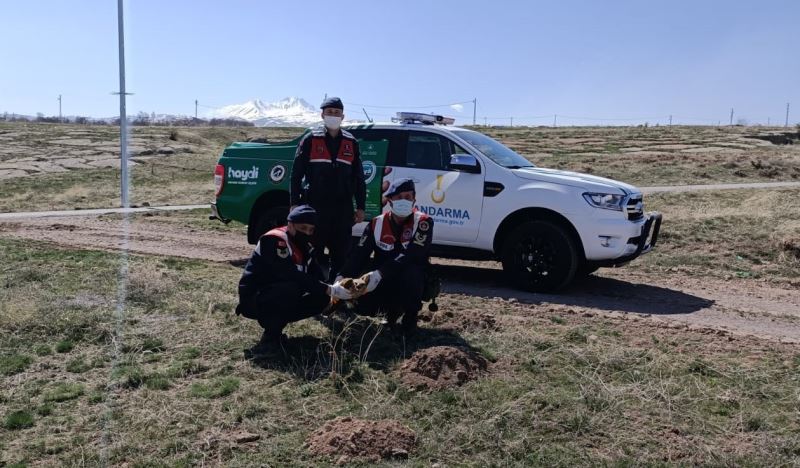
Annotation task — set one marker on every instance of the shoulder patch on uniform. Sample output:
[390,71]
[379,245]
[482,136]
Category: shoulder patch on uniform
[424,225]
[347,134]
[318,131]
[282,251]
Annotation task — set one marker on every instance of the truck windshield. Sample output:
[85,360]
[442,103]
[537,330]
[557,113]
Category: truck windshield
[494,150]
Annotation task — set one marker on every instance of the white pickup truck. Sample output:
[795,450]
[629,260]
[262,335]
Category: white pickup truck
[546,226]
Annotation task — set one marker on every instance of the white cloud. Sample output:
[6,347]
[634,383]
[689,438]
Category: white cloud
[457,107]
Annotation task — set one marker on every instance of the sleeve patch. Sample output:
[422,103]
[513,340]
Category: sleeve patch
[364,236]
[420,239]
[282,252]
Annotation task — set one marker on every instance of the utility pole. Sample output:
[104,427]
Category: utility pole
[786,122]
[485,124]
[195,109]
[474,110]
[768,121]
[670,120]
[555,117]
[731,116]
[512,121]
[59,109]
[123,118]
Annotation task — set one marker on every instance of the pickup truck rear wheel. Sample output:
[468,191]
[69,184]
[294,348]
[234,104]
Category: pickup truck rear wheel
[268,219]
[540,256]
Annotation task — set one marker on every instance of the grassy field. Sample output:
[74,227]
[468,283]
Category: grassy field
[752,234]
[163,381]
[185,177]
[72,167]
[648,156]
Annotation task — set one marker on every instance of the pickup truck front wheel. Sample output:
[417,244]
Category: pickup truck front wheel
[539,256]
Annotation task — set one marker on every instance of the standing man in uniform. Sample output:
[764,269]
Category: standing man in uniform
[328,159]
[401,241]
[282,282]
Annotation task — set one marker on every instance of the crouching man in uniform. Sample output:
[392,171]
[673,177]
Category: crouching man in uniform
[401,241]
[282,282]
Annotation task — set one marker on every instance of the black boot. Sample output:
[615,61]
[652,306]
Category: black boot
[269,343]
[409,324]
[393,312]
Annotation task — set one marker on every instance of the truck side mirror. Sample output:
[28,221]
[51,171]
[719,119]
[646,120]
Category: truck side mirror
[464,163]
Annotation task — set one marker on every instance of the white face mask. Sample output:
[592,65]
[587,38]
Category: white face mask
[332,122]
[402,208]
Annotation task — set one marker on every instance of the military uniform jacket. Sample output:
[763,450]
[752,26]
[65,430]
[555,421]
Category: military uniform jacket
[394,245]
[334,177]
[277,259]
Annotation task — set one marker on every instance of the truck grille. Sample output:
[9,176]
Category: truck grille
[635,208]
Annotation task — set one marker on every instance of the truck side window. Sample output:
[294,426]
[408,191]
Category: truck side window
[452,148]
[396,138]
[425,150]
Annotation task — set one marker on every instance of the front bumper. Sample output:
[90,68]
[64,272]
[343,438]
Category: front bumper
[215,214]
[645,242]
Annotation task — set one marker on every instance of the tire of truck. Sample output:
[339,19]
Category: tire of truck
[540,256]
[267,219]
[586,269]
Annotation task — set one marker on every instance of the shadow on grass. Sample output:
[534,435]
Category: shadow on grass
[239,262]
[353,341]
[594,292]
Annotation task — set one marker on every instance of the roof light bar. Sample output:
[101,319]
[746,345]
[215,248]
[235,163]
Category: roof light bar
[428,119]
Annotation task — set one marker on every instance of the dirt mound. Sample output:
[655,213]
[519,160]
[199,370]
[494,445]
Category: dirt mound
[463,320]
[348,438]
[441,367]
[791,246]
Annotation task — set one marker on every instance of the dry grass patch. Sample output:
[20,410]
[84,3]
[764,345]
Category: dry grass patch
[734,233]
[172,385]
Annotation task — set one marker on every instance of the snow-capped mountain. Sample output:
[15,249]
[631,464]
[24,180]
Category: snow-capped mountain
[288,112]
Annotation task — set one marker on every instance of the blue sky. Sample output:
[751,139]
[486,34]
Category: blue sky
[591,59]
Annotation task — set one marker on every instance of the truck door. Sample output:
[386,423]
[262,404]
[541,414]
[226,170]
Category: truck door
[453,198]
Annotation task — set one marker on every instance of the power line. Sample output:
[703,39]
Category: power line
[409,107]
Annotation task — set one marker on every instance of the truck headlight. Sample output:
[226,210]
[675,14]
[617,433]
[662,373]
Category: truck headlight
[606,201]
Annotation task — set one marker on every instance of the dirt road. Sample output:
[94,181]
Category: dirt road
[143,209]
[741,307]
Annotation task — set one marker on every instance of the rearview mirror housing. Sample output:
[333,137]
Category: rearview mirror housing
[464,163]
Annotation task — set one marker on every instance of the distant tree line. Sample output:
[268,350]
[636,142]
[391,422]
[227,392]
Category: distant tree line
[141,119]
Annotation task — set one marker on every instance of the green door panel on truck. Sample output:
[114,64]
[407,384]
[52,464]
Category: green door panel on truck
[252,182]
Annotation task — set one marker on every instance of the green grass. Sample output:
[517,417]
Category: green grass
[215,389]
[64,391]
[14,363]
[78,365]
[16,420]
[64,346]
